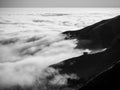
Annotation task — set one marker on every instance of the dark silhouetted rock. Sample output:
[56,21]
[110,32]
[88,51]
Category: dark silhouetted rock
[104,34]
[89,66]
[109,80]
[99,35]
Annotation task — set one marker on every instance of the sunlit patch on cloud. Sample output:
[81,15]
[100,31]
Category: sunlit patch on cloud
[62,79]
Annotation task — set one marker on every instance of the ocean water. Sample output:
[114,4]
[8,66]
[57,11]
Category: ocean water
[31,41]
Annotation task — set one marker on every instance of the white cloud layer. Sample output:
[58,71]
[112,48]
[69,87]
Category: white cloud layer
[19,67]
[30,41]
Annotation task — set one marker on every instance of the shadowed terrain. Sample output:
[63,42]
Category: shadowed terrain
[89,66]
[98,35]
[105,34]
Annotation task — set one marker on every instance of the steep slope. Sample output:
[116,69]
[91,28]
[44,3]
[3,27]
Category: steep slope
[99,35]
[86,67]
[104,34]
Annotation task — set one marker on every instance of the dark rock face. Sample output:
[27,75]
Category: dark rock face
[109,80]
[99,35]
[104,34]
[89,66]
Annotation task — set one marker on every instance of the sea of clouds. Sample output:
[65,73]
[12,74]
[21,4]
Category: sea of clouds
[25,64]
[32,41]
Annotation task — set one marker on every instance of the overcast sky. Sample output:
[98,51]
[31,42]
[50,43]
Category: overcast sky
[59,3]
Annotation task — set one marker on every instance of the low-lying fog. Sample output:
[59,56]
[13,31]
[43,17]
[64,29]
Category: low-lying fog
[32,41]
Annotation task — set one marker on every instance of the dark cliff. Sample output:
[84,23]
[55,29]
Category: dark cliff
[104,34]
[99,35]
